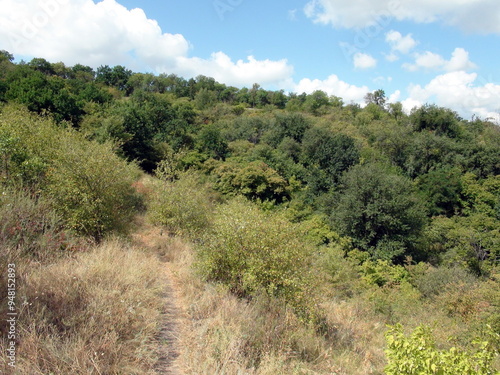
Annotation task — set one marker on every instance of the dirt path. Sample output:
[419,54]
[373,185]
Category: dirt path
[169,334]
[153,239]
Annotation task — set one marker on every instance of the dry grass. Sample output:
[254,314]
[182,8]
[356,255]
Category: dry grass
[222,334]
[97,313]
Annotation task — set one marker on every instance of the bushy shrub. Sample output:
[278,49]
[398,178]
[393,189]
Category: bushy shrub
[89,184]
[30,224]
[382,272]
[250,251]
[254,180]
[418,355]
[182,206]
[92,188]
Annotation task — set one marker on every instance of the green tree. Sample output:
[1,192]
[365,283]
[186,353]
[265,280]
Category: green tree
[442,189]
[441,120]
[211,141]
[291,125]
[5,55]
[205,98]
[116,76]
[317,102]
[379,211]
[327,155]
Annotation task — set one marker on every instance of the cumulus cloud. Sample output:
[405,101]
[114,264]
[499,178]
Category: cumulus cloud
[399,43]
[471,15]
[431,61]
[466,93]
[364,61]
[239,73]
[394,97]
[81,31]
[333,86]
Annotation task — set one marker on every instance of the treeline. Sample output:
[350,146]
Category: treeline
[424,185]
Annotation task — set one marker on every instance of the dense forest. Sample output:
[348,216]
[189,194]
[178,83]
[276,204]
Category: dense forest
[341,224]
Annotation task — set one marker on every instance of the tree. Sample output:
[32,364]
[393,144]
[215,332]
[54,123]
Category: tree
[327,156]
[317,102]
[42,66]
[205,98]
[253,94]
[442,121]
[211,141]
[292,125]
[442,189]
[377,97]
[379,211]
[117,76]
[396,110]
[83,72]
[5,55]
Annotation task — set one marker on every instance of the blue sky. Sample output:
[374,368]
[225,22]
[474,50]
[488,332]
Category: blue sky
[444,52]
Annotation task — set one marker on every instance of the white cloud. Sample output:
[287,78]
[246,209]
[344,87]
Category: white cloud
[81,31]
[333,86]
[463,92]
[426,60]
[472,15]
[394,97]
[400,43]
[364,61]
[239,73]
[459,61]
[432,61]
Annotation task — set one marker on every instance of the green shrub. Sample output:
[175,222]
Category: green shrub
[92,188]
[382,272]
[182,206]
[254,180]
[251,251]
[418,355]
[90,185]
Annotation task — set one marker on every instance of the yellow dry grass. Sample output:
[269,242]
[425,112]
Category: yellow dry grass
[95,313]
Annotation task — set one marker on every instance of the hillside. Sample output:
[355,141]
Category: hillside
[156,225]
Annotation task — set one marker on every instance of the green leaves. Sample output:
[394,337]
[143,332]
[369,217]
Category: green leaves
[91,187]
[254,180]
[418,355]
[251,251]
[379,212]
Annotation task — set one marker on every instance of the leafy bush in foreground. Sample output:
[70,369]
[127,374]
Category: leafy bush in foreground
[88,183]
[251,251]
[418,355]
